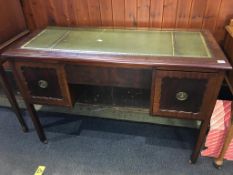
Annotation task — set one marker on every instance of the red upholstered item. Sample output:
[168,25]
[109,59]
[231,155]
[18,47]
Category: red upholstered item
[219,124]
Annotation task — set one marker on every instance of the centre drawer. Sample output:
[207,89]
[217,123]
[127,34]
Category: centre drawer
[44,83]
[183,94]
[109,76]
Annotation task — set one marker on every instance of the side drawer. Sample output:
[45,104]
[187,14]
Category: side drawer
[43,83]
[184,94]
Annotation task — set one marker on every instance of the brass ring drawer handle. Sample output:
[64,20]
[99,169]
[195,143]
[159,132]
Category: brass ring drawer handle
[43,84]
[181,96]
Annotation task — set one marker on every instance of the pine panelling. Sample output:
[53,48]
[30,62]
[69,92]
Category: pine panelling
[143,13]
[15,19]
[197,13]
[118,10]
[29,16]
[72,12]
[39,13]
[169,13]
[82,14]
[156,13]
[130,13]
[106,12]
[211,14]
[94,12]
[12,23]
[52,12]
[183,13]
[224,16]
[58,13]
[208,14]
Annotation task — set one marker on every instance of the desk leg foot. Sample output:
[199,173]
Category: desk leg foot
[36,122]
[25,129]
[191,162]
[218,164]
[45,141]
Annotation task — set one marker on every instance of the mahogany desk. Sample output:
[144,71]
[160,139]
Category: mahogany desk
[183,69]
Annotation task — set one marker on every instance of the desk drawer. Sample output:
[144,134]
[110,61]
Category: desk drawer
[109,76]
[183,94]
[44,83]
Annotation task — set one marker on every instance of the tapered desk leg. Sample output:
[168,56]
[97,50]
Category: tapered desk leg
[30,108]
[218,162]
[201,138]
[6,87]
[36,122]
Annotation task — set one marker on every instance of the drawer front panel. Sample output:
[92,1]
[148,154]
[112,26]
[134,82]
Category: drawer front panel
[179,94]
[109,76]
[43,83]
[183,94]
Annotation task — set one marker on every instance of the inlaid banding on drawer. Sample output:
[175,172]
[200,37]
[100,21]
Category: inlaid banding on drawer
[182,94]
[178,94]
[44,83]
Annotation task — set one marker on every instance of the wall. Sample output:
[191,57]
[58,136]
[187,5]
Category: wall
[208,14]
[12,23]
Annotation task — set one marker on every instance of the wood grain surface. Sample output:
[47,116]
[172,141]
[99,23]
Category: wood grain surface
[13,23]
[207,14]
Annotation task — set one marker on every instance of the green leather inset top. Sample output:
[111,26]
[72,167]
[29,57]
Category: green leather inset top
[121,41]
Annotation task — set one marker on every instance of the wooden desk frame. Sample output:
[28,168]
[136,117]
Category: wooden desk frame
[11,97]
[5,83]
[151,73]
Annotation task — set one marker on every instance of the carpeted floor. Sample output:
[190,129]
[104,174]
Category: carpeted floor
[90,146]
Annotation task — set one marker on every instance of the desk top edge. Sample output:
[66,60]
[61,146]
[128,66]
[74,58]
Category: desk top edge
[216,52]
